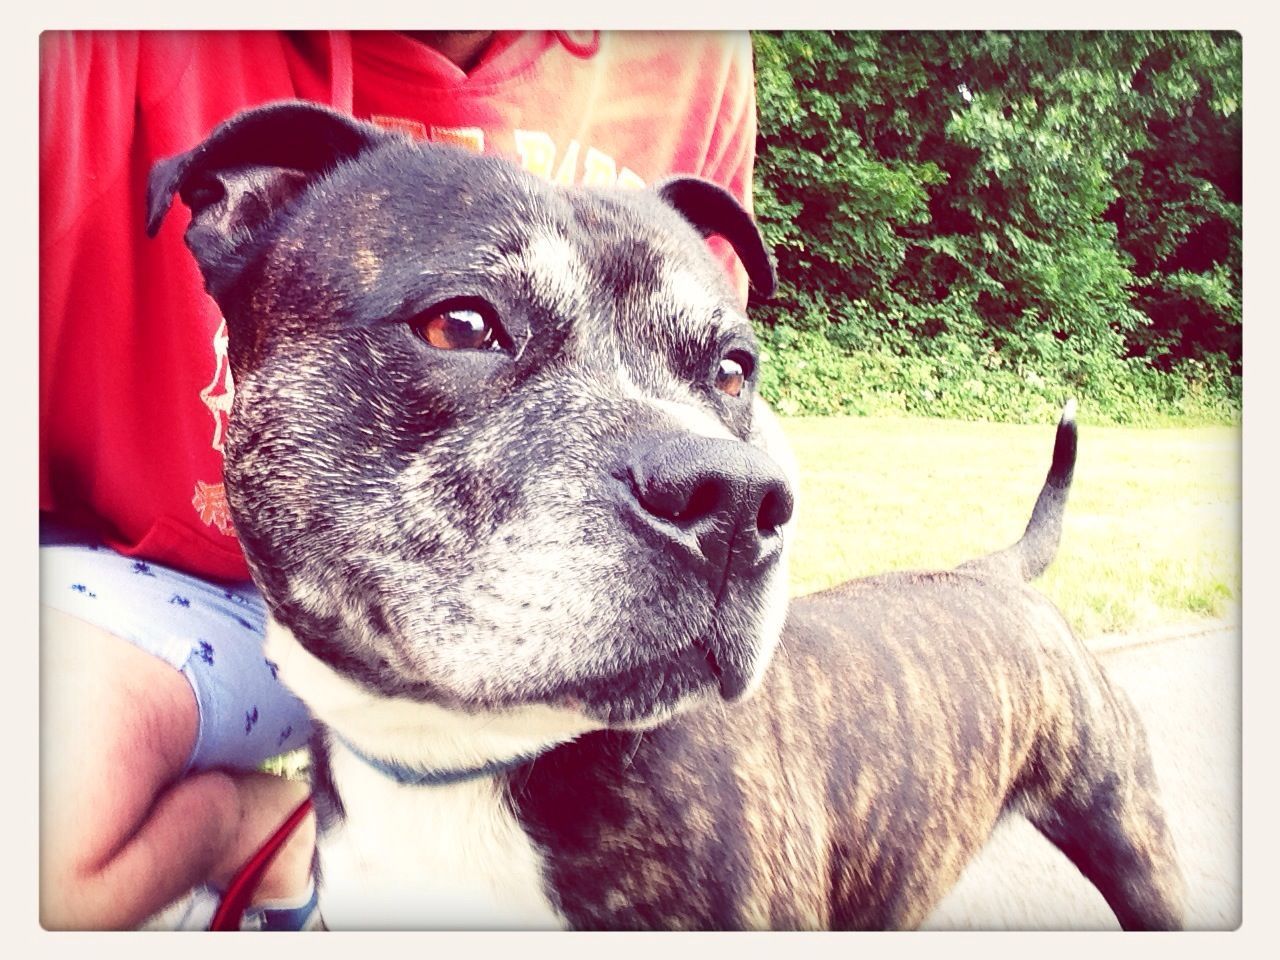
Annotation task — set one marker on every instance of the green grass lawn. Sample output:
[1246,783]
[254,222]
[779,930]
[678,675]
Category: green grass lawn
[1152,530]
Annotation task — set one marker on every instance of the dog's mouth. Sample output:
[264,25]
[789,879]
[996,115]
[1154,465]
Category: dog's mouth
[650,692]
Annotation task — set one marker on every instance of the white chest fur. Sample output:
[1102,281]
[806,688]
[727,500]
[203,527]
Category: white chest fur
[423,857]
[428,857]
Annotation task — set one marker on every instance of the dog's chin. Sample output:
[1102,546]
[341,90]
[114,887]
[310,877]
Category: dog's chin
[649,694]
[659,714]
[643,714]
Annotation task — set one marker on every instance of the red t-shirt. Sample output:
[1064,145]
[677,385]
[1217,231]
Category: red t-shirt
[135,390]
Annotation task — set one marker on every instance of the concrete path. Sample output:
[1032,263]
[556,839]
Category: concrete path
[1186,687]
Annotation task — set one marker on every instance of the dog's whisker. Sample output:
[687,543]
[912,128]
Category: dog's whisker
[523,344]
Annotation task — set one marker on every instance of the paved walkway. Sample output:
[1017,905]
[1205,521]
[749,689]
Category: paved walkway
[1186,686]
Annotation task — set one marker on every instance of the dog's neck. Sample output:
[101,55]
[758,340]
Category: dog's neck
[430,776]
[439,857]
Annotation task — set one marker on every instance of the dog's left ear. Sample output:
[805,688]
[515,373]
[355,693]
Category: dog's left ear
[244,173]
[714,210]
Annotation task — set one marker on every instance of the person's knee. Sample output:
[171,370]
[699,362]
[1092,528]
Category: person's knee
[123,832]
[117,727]
[207,810]
[172,850]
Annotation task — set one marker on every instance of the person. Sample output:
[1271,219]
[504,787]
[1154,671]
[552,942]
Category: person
[159,706]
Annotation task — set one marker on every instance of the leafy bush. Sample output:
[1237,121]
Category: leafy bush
[971,221]
[804,373]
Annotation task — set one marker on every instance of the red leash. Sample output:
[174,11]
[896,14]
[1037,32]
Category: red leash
[234,902]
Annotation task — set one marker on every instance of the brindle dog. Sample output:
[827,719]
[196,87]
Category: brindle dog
[500,470]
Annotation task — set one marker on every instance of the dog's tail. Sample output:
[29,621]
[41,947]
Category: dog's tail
[1031,555]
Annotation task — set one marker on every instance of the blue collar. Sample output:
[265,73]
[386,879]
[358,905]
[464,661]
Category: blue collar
[419,777]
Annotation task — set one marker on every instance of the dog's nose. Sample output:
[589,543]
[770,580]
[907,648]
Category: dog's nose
[723,499]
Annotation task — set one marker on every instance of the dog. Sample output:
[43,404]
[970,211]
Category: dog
[501,471]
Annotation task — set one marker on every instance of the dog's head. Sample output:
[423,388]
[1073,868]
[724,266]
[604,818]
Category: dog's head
[494,442]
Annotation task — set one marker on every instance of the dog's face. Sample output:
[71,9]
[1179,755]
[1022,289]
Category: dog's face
[494,443]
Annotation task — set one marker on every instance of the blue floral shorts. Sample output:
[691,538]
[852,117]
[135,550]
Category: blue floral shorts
[212,632]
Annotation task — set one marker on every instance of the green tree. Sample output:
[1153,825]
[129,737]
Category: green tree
[1004,208]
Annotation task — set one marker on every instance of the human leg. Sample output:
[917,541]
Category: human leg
[121,833]
[132,814]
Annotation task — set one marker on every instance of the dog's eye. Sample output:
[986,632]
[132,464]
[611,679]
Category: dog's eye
[457,328]
[733,373]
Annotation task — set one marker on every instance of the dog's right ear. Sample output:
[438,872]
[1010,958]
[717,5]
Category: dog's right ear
[245,172]
[713,210]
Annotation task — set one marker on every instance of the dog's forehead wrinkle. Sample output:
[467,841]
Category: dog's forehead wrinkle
[689,292]
[551,272]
